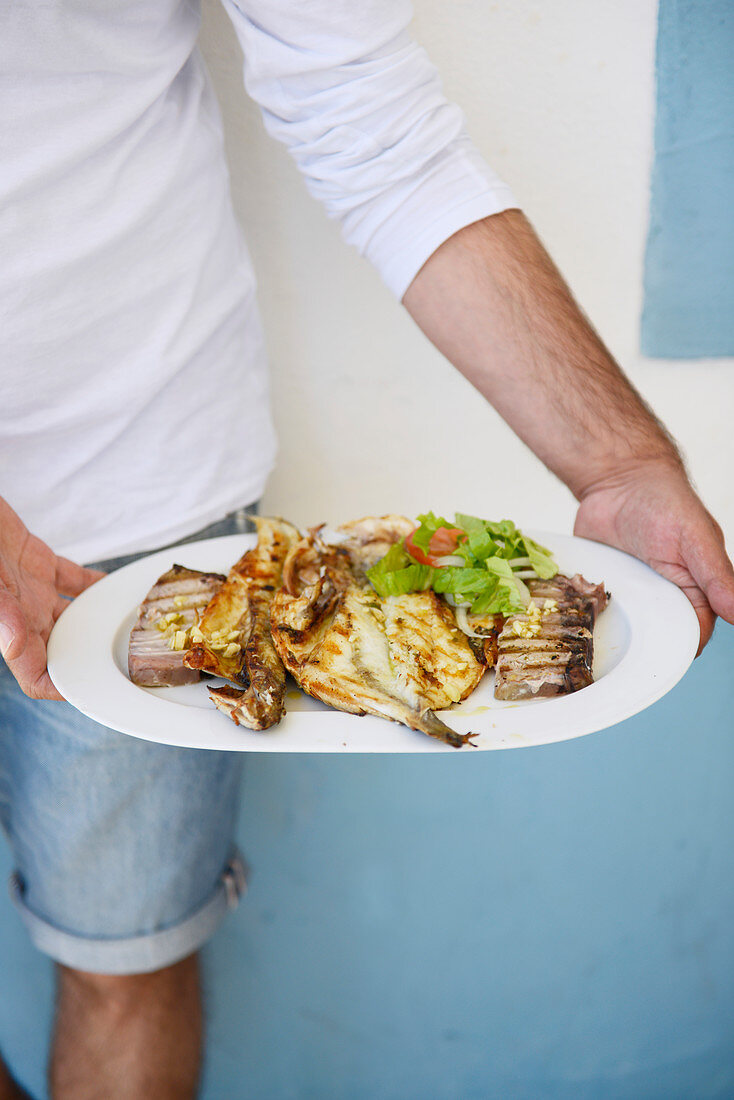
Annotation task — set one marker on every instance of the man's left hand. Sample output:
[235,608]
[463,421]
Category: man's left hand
[652,512]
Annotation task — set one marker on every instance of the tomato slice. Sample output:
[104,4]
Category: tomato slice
[415,551]
[443,541]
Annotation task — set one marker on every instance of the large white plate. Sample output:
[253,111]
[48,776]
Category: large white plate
[644,642]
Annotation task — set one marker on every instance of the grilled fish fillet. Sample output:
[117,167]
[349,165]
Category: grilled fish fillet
[397,658]
[235,630]
[550,654]
[431,657]
[368,539]
[170,609]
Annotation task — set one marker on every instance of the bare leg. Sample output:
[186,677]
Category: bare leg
[9,1089]
[128,1038]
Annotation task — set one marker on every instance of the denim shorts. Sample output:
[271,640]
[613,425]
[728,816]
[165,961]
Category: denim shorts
[123,849]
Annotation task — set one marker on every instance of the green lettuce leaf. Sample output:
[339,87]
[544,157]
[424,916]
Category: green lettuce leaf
[541,559]
[482,545]
[398,573]
[397,557]
[462,583]
[414,578]
[513,588]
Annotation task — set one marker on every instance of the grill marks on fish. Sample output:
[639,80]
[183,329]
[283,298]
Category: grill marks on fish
[428,650]
[559,658]
[237,643]
[181,594]
[360,654]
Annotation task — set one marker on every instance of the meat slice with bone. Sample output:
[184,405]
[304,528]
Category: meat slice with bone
[157,641]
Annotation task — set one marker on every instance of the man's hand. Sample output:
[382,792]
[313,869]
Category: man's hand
[653,513]
[33,585]
[492,301]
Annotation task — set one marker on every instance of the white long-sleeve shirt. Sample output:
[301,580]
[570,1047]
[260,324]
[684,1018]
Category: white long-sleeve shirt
[133,384]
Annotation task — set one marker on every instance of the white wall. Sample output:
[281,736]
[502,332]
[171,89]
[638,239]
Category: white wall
[559,98]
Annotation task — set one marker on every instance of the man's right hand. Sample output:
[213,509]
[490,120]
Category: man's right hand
[35,587]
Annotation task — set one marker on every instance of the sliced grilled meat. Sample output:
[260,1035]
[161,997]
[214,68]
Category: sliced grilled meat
[571,592]
[550,651]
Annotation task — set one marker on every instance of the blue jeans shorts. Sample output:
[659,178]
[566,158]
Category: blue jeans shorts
[123,849]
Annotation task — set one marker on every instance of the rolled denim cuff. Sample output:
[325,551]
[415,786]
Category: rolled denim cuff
[136,954]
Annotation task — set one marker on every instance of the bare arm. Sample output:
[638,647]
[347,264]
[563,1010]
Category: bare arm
[33,585]
[492,301]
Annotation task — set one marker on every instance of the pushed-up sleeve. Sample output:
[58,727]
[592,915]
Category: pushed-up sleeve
[360,107]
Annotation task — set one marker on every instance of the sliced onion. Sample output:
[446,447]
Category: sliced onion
[450,559]
[462,621]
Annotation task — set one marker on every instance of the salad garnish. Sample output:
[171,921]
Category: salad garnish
[478,566]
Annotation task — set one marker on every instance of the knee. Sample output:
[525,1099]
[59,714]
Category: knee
[119,994]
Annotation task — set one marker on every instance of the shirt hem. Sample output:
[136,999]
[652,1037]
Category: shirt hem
[99,550]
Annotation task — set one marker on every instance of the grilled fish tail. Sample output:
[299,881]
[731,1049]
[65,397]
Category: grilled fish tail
[431,724]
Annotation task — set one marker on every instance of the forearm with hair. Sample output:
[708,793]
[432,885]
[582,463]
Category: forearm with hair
[491,299]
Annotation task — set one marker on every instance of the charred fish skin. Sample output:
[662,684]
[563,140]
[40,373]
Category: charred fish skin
[235,630]
[262,703]
[165,617]
[485,643]
[330,632]
[550,653]
[311,559]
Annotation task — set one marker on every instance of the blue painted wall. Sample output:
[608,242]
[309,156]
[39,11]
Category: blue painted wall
[547,923]
[689,270]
